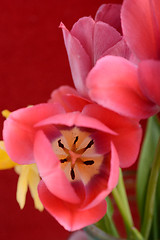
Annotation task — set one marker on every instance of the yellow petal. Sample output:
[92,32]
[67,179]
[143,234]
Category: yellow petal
[22,185]
[34,180]
[5,161]
[5,113]
[29,178]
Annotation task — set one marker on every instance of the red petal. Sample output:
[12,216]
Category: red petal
[50,170]
[109,13]
[140,19]
[18,130]
[113,83]
[149,78]
[102,185]
[76,119]
[68,98]
[70,217]
[105,37]
[79,60]
[128,133]
[83,30]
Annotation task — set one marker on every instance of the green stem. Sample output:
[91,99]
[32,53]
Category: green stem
[121,208]
[119,194]
[110,226]
[122,192]
[151,192]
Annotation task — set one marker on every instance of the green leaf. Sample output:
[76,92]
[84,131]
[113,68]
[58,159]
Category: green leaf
[110,208]
[150,202]
[146,159]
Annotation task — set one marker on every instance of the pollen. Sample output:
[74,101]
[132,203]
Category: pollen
[76,151]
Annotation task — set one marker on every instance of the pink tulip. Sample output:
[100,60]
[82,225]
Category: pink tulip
[141,27]
[132,89]
[114,84]
[78,147]
[90,40]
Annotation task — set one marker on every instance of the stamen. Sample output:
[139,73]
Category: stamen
[75,140]
[63,160]
[89,144]
[89,162]
[72,174]
[60,144]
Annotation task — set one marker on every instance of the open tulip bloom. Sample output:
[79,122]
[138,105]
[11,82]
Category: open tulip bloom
[74,146]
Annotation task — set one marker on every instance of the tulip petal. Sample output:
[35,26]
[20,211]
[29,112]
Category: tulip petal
[139,24]
[79,60]
[76,119]
[18,130]
[149,78]
[67,214]
[105,37]
[109,13]
[5,161]
[22,185]
[83,30]
[118,89]
[49,168]
[119,49]
[98,190]
[129,133]
[68,98]
[33,181]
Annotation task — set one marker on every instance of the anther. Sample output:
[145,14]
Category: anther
[75,140]
[60,144]
[89,162]
[89,144]
[63,160]
[72,174]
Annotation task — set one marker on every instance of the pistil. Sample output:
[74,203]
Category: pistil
[74,155]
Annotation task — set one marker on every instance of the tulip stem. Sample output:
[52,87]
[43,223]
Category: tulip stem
[110,226]
[151,193]
[120,197]
[122,192]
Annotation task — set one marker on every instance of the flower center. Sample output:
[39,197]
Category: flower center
[76,151]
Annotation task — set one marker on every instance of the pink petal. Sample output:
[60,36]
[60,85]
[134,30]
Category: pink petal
[105,37]
[119,49]
[68,98]
[149,78]
[113,84]
[128,131]
[109,13]
[100,191]
[139,24]
[76,119]
[70,217]
[79,60]
[50,170]
[83,30]
[18,142]
[18,130]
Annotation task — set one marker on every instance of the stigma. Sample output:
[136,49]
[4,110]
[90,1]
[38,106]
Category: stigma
[76,151]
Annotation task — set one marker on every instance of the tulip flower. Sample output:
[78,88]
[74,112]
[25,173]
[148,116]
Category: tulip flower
[120,85]
[90,40]
[141,27]
[78,147]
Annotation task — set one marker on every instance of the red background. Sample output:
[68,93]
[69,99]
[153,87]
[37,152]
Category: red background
[33,62]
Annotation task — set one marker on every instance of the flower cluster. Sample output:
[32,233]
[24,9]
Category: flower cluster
[80,138]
